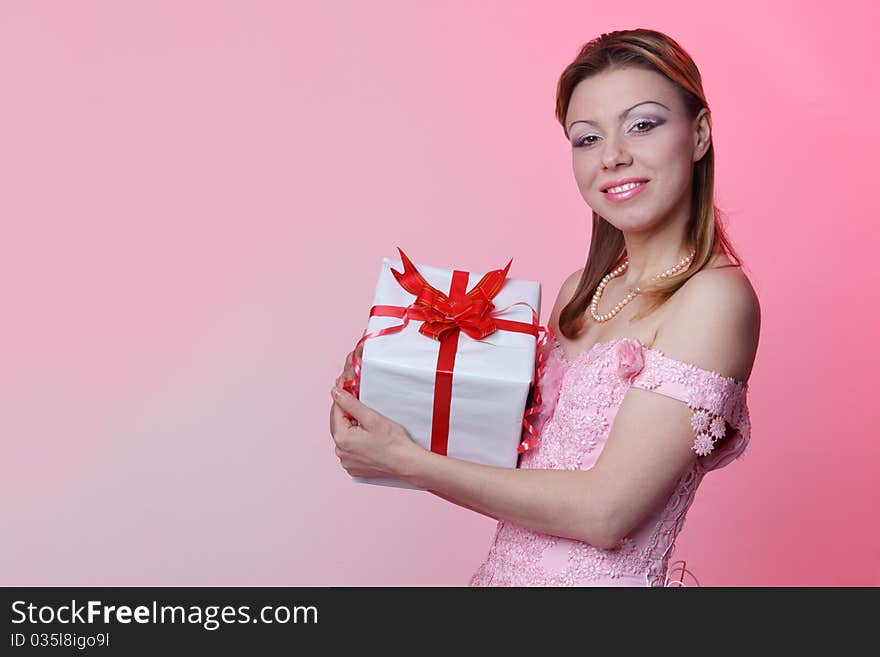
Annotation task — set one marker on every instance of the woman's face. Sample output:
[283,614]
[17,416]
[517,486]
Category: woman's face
[615,134]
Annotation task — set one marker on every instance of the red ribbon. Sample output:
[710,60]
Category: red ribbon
[444,316]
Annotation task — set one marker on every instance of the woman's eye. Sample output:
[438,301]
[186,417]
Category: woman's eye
[650,125]
[647,127]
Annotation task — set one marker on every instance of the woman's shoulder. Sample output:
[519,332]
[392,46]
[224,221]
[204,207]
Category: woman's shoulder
[723,285]
[722,270]
[714,323]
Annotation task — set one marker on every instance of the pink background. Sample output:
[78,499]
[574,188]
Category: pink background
[196,200]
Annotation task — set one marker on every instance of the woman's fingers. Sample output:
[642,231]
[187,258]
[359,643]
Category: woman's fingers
[340,420]
[365,416]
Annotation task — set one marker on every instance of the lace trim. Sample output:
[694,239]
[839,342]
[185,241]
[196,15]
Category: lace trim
[557,348]
[716,402]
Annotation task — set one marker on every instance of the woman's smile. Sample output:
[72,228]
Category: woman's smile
[625,192]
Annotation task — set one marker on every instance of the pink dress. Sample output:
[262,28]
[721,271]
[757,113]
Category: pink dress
[581,398]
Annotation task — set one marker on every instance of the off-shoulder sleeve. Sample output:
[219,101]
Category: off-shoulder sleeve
[718,403]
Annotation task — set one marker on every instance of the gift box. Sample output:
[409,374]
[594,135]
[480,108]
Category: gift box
[450,355]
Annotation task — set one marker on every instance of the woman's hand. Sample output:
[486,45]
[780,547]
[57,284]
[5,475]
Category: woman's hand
[370,444]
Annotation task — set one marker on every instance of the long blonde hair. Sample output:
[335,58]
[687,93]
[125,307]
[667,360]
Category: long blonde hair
[705,233]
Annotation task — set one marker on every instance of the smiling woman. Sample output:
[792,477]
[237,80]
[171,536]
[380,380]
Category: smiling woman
[645,396]
[651,402]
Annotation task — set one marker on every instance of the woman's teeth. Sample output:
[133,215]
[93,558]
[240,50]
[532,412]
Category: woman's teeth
[623,188]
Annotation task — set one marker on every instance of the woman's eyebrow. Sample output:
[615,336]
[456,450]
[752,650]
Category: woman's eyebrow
[622,114]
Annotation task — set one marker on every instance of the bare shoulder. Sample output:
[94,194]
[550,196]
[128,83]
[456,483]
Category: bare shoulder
[715,323]
[566,292]
[724,284]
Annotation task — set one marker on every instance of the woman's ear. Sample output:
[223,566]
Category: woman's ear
[702,134]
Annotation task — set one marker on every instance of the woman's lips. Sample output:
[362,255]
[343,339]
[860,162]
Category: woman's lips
[628,194]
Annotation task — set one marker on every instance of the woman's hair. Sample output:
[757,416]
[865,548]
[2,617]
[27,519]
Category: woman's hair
[654,51]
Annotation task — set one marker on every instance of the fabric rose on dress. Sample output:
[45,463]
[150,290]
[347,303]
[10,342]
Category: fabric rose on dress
[630,359]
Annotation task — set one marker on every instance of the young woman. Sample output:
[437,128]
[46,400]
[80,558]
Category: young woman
[652,344]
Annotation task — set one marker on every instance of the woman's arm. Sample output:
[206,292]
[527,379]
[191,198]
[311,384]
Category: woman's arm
[557,502]
[462,504]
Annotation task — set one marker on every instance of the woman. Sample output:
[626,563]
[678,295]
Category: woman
[652,344]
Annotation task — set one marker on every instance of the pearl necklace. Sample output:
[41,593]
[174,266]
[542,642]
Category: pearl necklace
[594,304]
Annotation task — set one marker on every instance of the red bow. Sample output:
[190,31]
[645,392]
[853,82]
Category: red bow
[442,313]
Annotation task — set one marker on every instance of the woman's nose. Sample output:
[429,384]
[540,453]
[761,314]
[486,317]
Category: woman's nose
[613,153]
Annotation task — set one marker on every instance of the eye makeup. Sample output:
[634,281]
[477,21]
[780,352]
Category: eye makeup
[641,125]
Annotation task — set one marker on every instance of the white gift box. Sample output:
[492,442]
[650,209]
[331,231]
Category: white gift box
[490,382]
